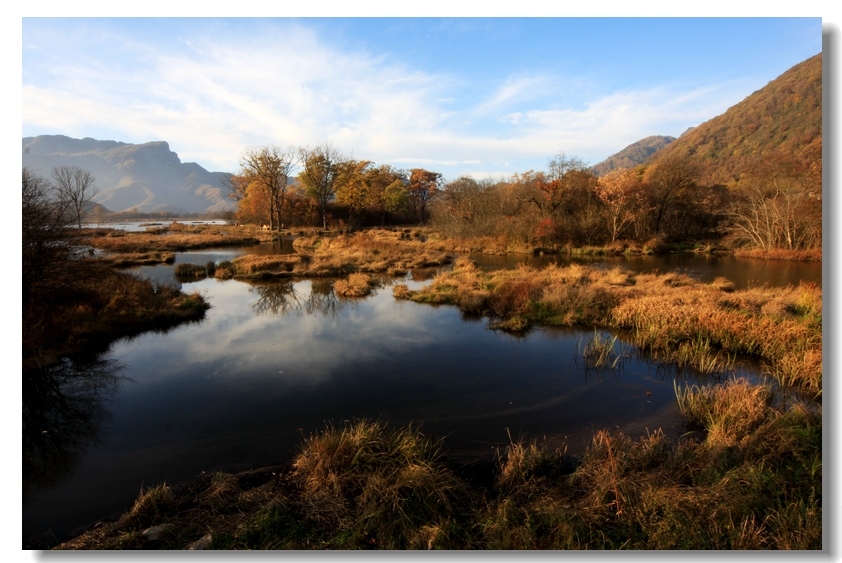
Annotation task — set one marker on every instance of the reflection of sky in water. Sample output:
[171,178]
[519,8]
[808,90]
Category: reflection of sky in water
[241,388]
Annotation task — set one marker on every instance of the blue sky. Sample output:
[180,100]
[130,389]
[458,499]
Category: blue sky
[486,97]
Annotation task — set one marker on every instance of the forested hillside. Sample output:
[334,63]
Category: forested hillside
[783,118]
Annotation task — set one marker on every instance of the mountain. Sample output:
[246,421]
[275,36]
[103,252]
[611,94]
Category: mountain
[632,155]
[147,177]
[781,120]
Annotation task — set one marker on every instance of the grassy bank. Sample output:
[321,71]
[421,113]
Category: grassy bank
[748,477]
[675,317]
[116,241]
[100,306]
[369,252]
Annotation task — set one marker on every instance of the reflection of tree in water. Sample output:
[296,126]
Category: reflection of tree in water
[277,298]
[282,298]
[323,299]
[62,413]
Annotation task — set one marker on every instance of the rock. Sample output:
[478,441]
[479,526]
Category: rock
[201,543]
[155,532]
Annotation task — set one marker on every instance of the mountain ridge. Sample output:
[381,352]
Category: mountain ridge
[147,177]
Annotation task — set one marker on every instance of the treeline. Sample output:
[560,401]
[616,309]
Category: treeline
[329,190]
[776,204]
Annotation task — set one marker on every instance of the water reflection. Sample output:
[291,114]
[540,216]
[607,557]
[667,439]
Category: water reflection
[63,411]
[275,361]
[286,297]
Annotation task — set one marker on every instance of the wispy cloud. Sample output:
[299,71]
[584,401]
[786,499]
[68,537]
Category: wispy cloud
[211,97]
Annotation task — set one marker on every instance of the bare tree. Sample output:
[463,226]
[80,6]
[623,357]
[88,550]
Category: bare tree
[46,250]
[75,187]
[268,169]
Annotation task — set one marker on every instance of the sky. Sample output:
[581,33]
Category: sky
[487,97]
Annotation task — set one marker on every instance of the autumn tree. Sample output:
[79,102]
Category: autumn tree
[48,257]
[267,169]
[388,195]
[622,195]
[424,186]
[467,207]
[74,187]
[353,188]
[321,168]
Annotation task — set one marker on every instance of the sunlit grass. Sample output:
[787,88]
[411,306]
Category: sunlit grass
[676,318]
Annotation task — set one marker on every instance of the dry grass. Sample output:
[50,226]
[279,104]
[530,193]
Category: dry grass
[675,317]
[357,285]
[176,240]
[752,481]
[125,259]
[376,482]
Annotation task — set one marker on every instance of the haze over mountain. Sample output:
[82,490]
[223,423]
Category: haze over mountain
[782,119]
[148,177]
[633,155]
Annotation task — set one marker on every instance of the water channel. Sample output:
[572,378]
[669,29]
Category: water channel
[273,362]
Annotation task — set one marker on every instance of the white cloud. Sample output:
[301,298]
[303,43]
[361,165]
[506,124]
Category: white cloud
[218,96]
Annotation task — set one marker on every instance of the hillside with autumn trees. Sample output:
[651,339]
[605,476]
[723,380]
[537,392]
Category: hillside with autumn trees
[783,119]
[747,179]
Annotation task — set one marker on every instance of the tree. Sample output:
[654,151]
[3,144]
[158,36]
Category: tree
[75,188]
[46,250]
[424,186]
[778,205]
[321,167]
[387,192]
[669,181]
[267,169]
[621,192]
[353,188]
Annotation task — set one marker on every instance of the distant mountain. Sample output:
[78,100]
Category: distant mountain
[784,118]
[632,155]
[147,178]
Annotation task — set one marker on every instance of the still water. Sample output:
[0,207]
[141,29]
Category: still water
[272,363]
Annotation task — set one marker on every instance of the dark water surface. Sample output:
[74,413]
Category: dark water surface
[272,363]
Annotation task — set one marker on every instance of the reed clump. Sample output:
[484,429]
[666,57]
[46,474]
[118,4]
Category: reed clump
[381,486]
[357,285]
[190,272]
[367,252]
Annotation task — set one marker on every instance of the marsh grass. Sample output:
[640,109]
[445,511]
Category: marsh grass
[382,486]
[125,259]
[357,285]
[99,309]
[190,272]
[599,351]
[164,241]
[749,478]
[680,320]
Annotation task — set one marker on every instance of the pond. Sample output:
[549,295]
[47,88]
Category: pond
[274,362]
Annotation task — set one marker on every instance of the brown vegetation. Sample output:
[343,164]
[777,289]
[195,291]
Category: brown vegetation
[673,316]
[372,252]
[118,241]
[750,477]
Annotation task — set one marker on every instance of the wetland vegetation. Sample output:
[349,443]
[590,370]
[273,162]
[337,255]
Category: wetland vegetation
[746,474]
